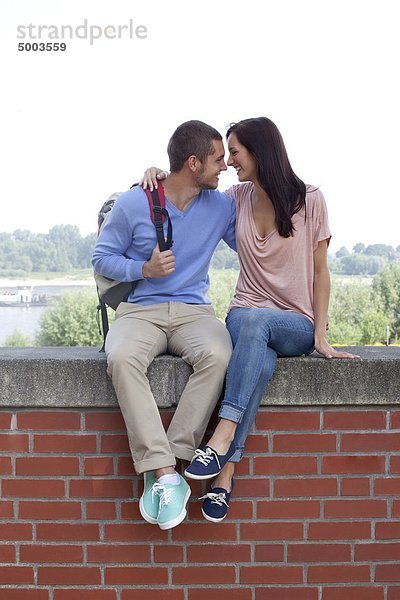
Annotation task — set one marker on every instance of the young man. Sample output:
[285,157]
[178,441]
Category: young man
[168,311]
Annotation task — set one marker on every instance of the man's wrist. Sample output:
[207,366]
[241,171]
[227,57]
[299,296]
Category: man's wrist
[145,271]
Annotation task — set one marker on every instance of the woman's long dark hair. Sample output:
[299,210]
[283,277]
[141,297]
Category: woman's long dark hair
[287,192]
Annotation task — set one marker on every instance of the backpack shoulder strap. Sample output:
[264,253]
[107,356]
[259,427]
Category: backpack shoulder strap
[158,214]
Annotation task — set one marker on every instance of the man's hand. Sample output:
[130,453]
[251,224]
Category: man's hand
[161,264]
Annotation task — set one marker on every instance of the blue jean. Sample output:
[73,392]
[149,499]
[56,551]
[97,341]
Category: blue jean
[259,335]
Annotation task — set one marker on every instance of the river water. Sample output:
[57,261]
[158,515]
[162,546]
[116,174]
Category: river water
[27,319]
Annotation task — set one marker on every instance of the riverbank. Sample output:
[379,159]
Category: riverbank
[57,281]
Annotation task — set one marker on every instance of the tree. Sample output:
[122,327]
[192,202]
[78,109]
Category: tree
[70,322]
[386,286]
[342,252]
[222,286]
[18,340]
[358,248]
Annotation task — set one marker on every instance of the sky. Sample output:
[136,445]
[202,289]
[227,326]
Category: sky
[80,124]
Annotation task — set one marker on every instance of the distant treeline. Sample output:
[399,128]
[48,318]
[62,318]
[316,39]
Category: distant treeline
[62,249]
[364,260]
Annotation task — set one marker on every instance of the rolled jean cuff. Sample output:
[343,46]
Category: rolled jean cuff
[231,413]
[237,456]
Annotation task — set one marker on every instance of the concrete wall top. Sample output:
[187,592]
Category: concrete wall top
[76,377]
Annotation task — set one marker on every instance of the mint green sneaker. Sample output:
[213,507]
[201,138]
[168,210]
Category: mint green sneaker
[149,500]
[173,500]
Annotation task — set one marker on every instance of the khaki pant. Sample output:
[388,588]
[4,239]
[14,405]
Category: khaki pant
[138,335]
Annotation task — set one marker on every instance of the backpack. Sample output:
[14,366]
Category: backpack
[110,292]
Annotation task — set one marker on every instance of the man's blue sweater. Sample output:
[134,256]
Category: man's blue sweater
[128,239]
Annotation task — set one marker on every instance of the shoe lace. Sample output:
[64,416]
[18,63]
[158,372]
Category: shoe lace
[203,456]
[219,499]
[164,493]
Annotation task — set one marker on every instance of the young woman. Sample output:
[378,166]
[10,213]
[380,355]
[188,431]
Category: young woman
[280,305]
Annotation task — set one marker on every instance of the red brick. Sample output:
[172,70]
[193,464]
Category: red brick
[377,552]
[395,464]
[69,575]
[38,553]
[355,486]
[79,593]
[7,553]
[371,442]
[135,575]
[395,420]
[5,420]
[41,420]
[339,530]
[166,417]
[100,488]
[23,594]
[353,464]
[319,553]
[387,530]
[269,553]
[309,442]
[169,554]
[68,444]
[280,465]
[290,593]
[33,488]
[14,442]
[15,531]
[388,573]
[99,465]
[275,574]
[253,488]
[193,575]
[393,593]
[5,465]
[130,511]
[257,443]
[207,532]
[355,419]
[355,509]
[58,465]
[115,443]
[100,510]
[49,511]
[288,509]
[353,593]
[271,531]
[6,509]
[220,593]
[154,594]
[225,553]
[120,553]
[16,575]
[338,573]
[240,509]
[138,532]
[396,508]
[125,466]
[305,487]
[67,532]
[104,421]
[243,467]
[287,420]
[388,486]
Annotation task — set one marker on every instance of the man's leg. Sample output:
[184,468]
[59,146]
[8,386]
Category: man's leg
[135,338]
[203,342]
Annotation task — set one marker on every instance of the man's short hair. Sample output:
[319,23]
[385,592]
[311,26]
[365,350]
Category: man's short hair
[192,137]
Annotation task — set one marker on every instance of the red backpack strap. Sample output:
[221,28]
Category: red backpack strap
[158,214]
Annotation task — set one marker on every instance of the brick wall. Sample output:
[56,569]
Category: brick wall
[316,513]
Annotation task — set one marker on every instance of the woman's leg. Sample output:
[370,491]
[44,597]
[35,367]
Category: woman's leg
[258,335]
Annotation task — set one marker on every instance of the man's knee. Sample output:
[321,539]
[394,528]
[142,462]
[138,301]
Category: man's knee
[122,358]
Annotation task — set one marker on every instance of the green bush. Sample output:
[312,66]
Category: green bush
[71,321]
[18,340]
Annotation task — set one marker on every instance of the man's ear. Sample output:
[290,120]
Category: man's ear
[193,163]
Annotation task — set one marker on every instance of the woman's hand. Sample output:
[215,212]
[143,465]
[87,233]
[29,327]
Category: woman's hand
[151,178]
[327,351]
